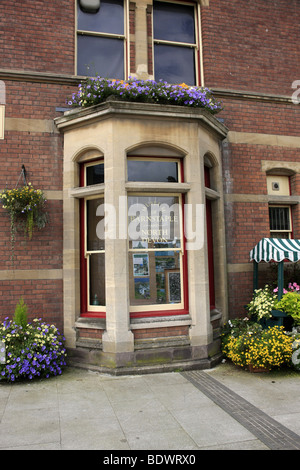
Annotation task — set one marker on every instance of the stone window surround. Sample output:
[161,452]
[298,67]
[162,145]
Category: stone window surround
[77,149]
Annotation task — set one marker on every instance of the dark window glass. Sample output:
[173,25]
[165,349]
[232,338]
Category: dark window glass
[174,22]
[174,64]
[95,174]
[109,18]
[155,171]
[97,279]
[279,218]
[95,234]
[100,56]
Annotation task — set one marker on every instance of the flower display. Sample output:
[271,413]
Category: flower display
[96,90]
[268,348]
[262,303]
[36,350]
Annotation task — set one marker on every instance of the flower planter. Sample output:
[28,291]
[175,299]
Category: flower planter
[254,369]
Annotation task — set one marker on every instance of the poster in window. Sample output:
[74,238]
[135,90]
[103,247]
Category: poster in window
[173,286]
[142,288]
[140,264]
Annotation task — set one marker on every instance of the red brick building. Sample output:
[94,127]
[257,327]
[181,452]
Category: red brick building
[248,54]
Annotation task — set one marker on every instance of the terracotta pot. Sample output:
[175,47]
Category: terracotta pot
[255,369]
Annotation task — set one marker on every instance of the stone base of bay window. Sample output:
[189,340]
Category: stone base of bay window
[160,349]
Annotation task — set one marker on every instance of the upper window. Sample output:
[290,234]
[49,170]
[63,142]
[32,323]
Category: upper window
[279,215]
[101,40]
[280,221]
[156,170]
[175,44]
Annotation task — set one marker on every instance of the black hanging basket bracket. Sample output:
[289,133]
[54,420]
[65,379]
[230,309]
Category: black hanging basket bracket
[22,175]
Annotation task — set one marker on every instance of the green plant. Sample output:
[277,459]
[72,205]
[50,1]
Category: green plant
[290,304]
[262,303]
[235,328]
[267,348]
[20,315]
[36,350]
[25,206]
[93,91]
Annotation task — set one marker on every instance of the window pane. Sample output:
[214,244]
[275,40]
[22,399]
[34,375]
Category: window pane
[174,64]
[95,174]
[97,279]
[109,18]
[154,278]
[174,22]
[149,170]
[95,235]
[100,56]
[154,222]
[279,218]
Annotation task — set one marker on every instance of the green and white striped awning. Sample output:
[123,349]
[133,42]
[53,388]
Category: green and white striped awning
[276,249]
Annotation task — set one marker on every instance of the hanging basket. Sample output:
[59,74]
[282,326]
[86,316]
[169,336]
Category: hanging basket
[26,208]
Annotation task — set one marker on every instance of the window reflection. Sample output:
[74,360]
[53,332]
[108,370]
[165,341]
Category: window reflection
[174,42]
[174,22]
[151,170]
[109,18]
[100,56]
[174,64]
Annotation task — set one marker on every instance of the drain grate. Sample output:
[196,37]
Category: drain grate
[273,434]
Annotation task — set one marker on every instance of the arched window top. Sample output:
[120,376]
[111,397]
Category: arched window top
[87,154]
[156,150]
[210,160]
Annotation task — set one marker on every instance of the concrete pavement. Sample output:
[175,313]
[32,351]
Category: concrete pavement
[224,408]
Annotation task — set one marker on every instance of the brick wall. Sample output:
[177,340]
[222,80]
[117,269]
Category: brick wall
[251,46]
[34,39]
[37,36]
[43,298]
[147,333]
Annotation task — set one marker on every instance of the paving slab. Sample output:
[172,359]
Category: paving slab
[162,412]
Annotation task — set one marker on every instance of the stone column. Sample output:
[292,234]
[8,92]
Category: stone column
[198,279]
[117,339]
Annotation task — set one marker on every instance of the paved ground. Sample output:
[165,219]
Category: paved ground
[222,408]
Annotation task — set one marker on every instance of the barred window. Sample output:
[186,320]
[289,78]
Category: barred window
[280,221]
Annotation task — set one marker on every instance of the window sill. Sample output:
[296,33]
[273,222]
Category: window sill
[87,191]
[143,186]
[160,322]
